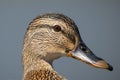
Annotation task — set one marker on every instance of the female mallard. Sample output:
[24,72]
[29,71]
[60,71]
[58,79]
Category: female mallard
[49,37]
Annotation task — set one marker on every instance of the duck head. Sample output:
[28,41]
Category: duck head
[55,35]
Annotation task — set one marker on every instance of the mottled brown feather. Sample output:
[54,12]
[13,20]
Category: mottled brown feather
[42,75]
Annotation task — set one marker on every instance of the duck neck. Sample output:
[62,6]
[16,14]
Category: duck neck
[35,62]
[39,57]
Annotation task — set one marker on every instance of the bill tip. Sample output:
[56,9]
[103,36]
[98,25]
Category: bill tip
[110,68]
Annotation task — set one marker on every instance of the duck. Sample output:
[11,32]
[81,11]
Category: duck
[48,37]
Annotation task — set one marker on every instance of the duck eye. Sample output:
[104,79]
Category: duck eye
[57,28]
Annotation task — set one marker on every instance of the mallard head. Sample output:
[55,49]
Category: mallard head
[52,35]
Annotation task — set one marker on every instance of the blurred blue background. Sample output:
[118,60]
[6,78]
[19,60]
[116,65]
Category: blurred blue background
[98,22]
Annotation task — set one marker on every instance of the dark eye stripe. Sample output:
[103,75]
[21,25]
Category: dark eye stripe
[69,36]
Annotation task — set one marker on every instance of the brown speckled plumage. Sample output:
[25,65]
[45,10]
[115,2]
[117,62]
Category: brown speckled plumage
[51,36]
[42,75]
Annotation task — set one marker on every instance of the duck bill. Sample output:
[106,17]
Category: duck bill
[83,53]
